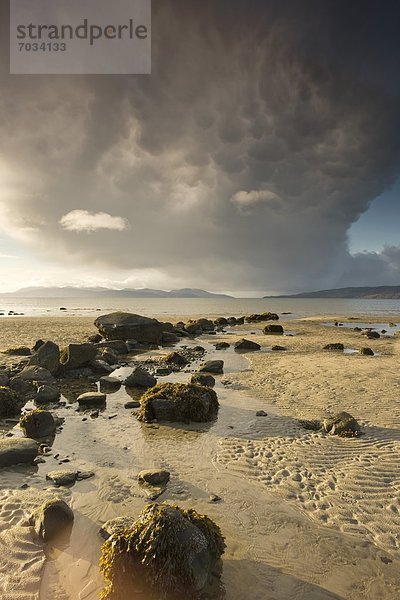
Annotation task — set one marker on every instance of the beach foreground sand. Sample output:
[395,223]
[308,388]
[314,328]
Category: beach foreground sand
[306,515]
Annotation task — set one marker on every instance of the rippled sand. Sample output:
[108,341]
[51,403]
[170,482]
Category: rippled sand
[305,515]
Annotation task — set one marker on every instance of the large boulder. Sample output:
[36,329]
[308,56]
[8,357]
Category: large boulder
[46,393]
[75,356]
[38,424]
[14,451]
[47,356]
[10,402]
[109,384]
[140,378]
[343,424]
[125,326]
[189,549]
[51,519]
[180,402]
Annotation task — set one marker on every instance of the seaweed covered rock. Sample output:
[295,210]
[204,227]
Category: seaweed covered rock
[38,424]
[180,402]
[168,553]
[367,352]
[343,424]
[51,519]
[126,326]
[10,402]
[203,379]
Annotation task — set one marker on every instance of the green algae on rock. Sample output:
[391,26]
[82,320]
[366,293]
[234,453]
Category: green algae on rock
[182,402]
[168,553]
[10,402]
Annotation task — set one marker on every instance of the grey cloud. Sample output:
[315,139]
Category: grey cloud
[244,96]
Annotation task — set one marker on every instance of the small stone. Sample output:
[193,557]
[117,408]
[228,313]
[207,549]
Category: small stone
[132,404]
[215,498]
[261,413]
[92,399]
[154,477]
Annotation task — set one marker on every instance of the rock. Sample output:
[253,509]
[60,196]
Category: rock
[193,328]
[334,346]
[357,329]
[168,338]
[14,451]
[75,356]
[48,357]
[342,424]
[222,345]
[35,373]
[20,351]
[115,346]
[154,477]
[115,526]
[132,404]
[46,393]
[125,326]
[221,321]
[278,348]
[108,355]
[109,384]
[267,316]
[95,339]
[100,366]
[23,388]
[215,498]
[367,352]
[4,378]
[203,379]
[38,424]
[247,345]
[10,402]
[92,399]
[312,425]
[80,475]
[372,335]
[261,413]
[61,478]
[191,548]
[51,519]
[175,358]
[140,378]
[37,345]
[181,402]
[212,366]
[272,329]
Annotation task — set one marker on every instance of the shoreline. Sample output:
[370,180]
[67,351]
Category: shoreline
[305,514]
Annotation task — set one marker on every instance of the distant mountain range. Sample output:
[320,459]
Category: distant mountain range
[73,292]
[389,292]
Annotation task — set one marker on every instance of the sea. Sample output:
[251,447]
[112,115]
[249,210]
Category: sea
[297,307]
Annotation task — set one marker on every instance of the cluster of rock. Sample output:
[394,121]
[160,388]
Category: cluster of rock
[342,424]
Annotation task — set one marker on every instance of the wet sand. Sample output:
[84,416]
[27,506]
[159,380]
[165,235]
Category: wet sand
[305,515]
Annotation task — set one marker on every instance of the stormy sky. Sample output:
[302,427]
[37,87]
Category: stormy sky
[261,155]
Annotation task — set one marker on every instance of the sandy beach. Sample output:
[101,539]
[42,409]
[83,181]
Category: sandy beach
[306,515]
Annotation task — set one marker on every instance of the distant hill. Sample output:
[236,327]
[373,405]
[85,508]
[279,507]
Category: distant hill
[389,292]
[72,292]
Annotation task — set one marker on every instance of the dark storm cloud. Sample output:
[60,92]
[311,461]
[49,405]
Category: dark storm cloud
[263,133]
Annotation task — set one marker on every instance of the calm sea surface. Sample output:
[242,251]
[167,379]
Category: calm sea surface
[299,307]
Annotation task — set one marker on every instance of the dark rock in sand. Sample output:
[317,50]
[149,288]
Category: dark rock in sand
[261,413]
[367,352]
[343,424]
[46,393]
[20,351]
[10,402]
[154,477]
[14,451]
[125,326]
[92,399]
[35,373]
[272,329]
[221,321]
[278,348]
[4,378]
[247,345]
[37,345]
[191,549]
[100,366]
[23,388]
[176,358]
[357,329]
[62,478]
[312,425]
[38,424]
[140,378]
[51,519]
[203,379]
[168,338]
[268,316]
[334,346]
[95,339]
[48,357]
[108,355]
[109,384]
[212,366]
[372,335]
[222,345]
[75,356]
[180,402]
[132,404]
